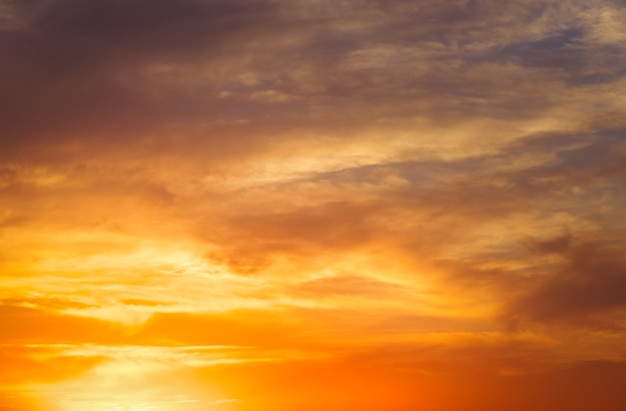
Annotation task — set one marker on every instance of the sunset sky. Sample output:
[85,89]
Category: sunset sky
[304,205]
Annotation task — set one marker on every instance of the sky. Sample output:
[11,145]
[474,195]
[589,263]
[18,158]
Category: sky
[295,205]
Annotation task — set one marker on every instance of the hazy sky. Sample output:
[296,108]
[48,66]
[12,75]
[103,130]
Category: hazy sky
[298,205]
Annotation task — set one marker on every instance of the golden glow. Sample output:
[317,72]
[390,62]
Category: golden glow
[293,205]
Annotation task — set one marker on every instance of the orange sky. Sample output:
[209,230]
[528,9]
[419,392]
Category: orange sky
[298,205]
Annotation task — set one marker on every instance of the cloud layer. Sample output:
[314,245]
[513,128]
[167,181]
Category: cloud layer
[364,191]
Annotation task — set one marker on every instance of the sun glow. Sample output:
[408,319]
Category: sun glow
[134,379]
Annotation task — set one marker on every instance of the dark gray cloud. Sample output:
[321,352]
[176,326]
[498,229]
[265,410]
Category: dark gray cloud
[75,69]
[590,283]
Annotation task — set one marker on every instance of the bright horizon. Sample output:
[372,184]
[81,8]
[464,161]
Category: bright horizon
[298,205]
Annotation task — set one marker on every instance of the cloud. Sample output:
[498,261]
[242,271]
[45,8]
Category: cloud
[260,328]
[457,352]
[587,285]
[41,363]
[127,69]
[77,69]
[389,186]
[35,325]
[349,285]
